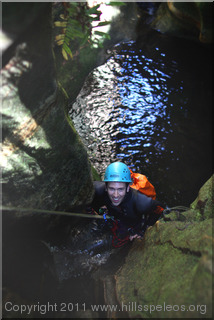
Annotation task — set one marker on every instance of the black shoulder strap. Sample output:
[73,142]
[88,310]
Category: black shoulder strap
[134,197]
[144,217]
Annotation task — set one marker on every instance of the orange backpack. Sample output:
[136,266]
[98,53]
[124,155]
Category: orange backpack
[141,183]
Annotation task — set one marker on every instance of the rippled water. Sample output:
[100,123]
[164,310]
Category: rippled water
[86,249]
[151,109]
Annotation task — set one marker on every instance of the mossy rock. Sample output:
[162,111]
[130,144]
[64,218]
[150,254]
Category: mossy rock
[45,164]
[203,204]
[168,274]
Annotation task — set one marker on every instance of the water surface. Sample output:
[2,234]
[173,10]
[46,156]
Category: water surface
[151,108]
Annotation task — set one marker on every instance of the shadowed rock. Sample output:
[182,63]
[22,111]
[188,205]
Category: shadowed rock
[45,164]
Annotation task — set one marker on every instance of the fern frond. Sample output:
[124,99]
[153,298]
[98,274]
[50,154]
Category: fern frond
[76,27]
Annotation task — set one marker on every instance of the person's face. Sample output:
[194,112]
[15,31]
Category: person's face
[116,192]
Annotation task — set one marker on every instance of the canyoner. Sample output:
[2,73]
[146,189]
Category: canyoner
[129,199]
[125,200]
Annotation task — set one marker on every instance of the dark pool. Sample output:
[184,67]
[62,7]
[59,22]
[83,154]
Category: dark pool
[150,106]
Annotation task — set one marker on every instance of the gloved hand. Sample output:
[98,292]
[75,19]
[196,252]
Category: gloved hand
[135,234]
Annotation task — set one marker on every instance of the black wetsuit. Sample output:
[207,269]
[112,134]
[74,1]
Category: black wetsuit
[136,211]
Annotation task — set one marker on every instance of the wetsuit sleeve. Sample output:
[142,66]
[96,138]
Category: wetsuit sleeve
[148,207]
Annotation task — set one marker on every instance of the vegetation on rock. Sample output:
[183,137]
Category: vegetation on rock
[172,266]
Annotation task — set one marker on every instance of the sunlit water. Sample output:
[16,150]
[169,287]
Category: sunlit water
[151,111]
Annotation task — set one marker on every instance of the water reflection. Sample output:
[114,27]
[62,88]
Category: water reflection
[138,108]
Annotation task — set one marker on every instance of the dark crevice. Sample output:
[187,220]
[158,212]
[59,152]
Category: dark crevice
[184,250]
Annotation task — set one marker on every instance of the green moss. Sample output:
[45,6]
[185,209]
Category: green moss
[95,174]
[171,267]
[203,204]
[150,276]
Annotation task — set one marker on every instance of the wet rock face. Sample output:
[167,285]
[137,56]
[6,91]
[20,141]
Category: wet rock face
[192,20]
[45,165]
[169,273]
[203,204]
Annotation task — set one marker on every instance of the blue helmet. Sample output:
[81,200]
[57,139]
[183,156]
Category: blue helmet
[118,172]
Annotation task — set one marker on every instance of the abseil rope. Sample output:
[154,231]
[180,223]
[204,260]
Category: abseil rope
[75,214]
[63,213]
[178,208]
[182,208]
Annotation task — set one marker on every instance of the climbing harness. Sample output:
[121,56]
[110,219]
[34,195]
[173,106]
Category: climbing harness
[117,240]
[63,213]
